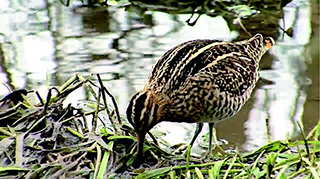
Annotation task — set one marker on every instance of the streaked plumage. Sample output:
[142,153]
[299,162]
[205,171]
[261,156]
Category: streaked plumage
[198,81]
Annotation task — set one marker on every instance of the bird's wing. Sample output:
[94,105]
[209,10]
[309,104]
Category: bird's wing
[233,74]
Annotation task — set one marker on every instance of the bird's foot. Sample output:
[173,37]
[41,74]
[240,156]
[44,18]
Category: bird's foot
[209,153]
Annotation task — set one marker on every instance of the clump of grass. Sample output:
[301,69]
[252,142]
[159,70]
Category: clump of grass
[274,160]
[50,139]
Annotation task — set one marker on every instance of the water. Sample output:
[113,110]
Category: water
[46,42]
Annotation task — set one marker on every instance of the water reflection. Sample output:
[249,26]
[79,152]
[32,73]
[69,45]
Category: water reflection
[40,38]
[281,105]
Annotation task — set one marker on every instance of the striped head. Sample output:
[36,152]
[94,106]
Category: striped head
[257,46]
[143,114]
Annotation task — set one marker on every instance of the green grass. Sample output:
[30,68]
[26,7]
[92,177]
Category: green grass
[275,160]
[48,139]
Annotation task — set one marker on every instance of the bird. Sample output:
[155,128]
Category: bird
[198,81]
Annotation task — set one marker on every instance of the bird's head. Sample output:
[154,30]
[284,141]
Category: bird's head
[143,114]
[257,46]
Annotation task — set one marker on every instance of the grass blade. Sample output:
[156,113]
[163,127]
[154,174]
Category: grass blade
[215,170]
[104,163]
[198,172]
[154,173]
[230,166]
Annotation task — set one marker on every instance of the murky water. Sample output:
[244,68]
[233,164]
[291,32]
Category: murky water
[44,41]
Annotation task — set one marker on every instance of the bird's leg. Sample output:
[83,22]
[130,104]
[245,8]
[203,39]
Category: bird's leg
[196,133]
[213,133]
[211,125]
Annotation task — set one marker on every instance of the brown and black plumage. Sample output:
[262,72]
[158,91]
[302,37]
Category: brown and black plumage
[199,81]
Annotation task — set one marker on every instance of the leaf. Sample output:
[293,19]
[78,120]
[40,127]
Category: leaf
[5,143]
[210,173]
[242,10]
[271,159]
[289,32]
[216,169]
[276,146]
[281,173]
[154,173]
[8,169]
[104,163]
[258,173]
[315,172]
[172,174]
[230,166]
[198,172]
[121,137]
[188,174]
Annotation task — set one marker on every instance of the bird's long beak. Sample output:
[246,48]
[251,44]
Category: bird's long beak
[140,140]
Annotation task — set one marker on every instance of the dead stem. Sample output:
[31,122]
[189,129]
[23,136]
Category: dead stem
[19,150]
[95,116]
[117,130]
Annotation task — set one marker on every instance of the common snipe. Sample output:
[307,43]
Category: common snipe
[199,81]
